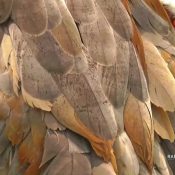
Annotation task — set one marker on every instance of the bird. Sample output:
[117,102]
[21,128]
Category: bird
[87,87]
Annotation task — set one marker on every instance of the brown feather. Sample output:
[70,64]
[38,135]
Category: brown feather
[5,9]
[31,20]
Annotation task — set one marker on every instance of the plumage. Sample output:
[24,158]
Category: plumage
[87,87]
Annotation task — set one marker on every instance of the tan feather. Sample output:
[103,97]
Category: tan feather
[138,124]
[15,72]
[67,33]
[162,124]
[6,46]
[161,81]
[126,157]
[34,102]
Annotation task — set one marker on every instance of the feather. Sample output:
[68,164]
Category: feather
[67,34]
[169,60]
[137,84]
[1,34]
[172,119]
[126,157]
[159,41]
[31,149]
[35,80]
[138,124]
[49,54]
[99,39]
[5,160]
[161,81]
[114,79]
[6,46]
[118,17]
[4,142]
[159,9]
[15,167]
[82,11]
[147,18]
[4,108]
[53,12]
[15,72]
[70,119]
[53,143]
[77,144]
[5,9]
[85,94]
[138,44]
[34,102]
[63,161]
[6,83]
[162,124]
[24,16]
[160,160]
[17,125]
